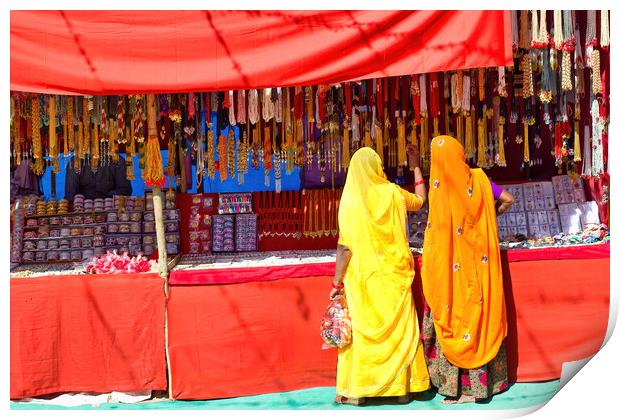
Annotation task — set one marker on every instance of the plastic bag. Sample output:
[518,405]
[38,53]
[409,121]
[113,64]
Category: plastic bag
[336,324]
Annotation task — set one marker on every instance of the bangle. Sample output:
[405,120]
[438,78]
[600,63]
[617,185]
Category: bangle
[337,286]
[420,182]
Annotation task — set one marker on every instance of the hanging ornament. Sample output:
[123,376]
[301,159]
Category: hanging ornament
[79,152]
[241,107]
[558,35]
[86,127]
[481,84]
[579,67]
[113,143]
[70,125]
[605,29]
[535,43]
[456,87]
[298,111]
[540,36]
[597,141]
[577,142]
[528,80]
[53,145]
[524,30]
[346,154]
[153,171]
[587,148]
[130,151]
[545,95]
[425,147]
[231,109]
[242,155]
[402,151]
[211,153]
[377,120]
[501,87]
[230,150]
[267,153]
[120,112]
[482,144]
[591,40]
[501,160]
[526,143]
[514,26]
[568,32]
[597,84]
[17,132]
[222,154]
[567,82]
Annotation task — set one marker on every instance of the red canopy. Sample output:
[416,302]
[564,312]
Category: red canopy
[121,52]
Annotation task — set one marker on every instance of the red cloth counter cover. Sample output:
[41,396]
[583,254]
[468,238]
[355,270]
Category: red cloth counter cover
[97,52]
[249,338]
[584,252]
[82,333]
[250,274]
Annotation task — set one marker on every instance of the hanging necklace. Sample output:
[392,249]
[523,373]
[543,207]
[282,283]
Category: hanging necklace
[605,29]
[222,154]
[591,40]
[230,159]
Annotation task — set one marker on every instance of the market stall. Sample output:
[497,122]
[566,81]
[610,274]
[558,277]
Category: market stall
[238,172]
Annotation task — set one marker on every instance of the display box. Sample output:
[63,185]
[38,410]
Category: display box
[237,203]
[589,213]
[246,232]
[570,218]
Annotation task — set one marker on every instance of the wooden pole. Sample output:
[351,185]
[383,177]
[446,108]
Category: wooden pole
[161,233]
[160,230]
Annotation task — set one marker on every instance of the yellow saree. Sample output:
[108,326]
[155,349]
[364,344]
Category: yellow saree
[461,266]
[385,357]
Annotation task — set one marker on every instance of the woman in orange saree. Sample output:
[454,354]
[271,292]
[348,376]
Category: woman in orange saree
[385,357]
[465,317]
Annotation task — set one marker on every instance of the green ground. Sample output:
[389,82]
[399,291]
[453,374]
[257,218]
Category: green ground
[519,395]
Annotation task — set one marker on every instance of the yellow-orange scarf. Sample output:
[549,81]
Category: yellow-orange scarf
[461,266]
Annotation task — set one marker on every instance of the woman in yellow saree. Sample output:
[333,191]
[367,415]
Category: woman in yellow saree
[465,318]
[385,357]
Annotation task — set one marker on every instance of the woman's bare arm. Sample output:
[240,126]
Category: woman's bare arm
[343,257]
[504,202]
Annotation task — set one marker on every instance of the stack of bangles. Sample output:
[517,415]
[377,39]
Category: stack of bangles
[420,182]
[337,286]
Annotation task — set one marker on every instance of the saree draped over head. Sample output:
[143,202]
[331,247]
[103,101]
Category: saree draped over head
[385,357]
[461,266]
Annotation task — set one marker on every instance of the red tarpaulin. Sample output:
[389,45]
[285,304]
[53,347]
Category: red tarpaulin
[91,333]
[113,52]
[259,337]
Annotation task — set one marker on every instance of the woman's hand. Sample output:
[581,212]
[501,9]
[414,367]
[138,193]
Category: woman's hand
[414,156]
[335,292]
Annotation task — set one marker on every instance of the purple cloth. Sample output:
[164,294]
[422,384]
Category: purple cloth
[497,190]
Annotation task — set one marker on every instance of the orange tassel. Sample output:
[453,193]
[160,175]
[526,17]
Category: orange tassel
[154,168]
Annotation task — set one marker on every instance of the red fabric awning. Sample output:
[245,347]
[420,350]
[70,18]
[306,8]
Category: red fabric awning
[121,52]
